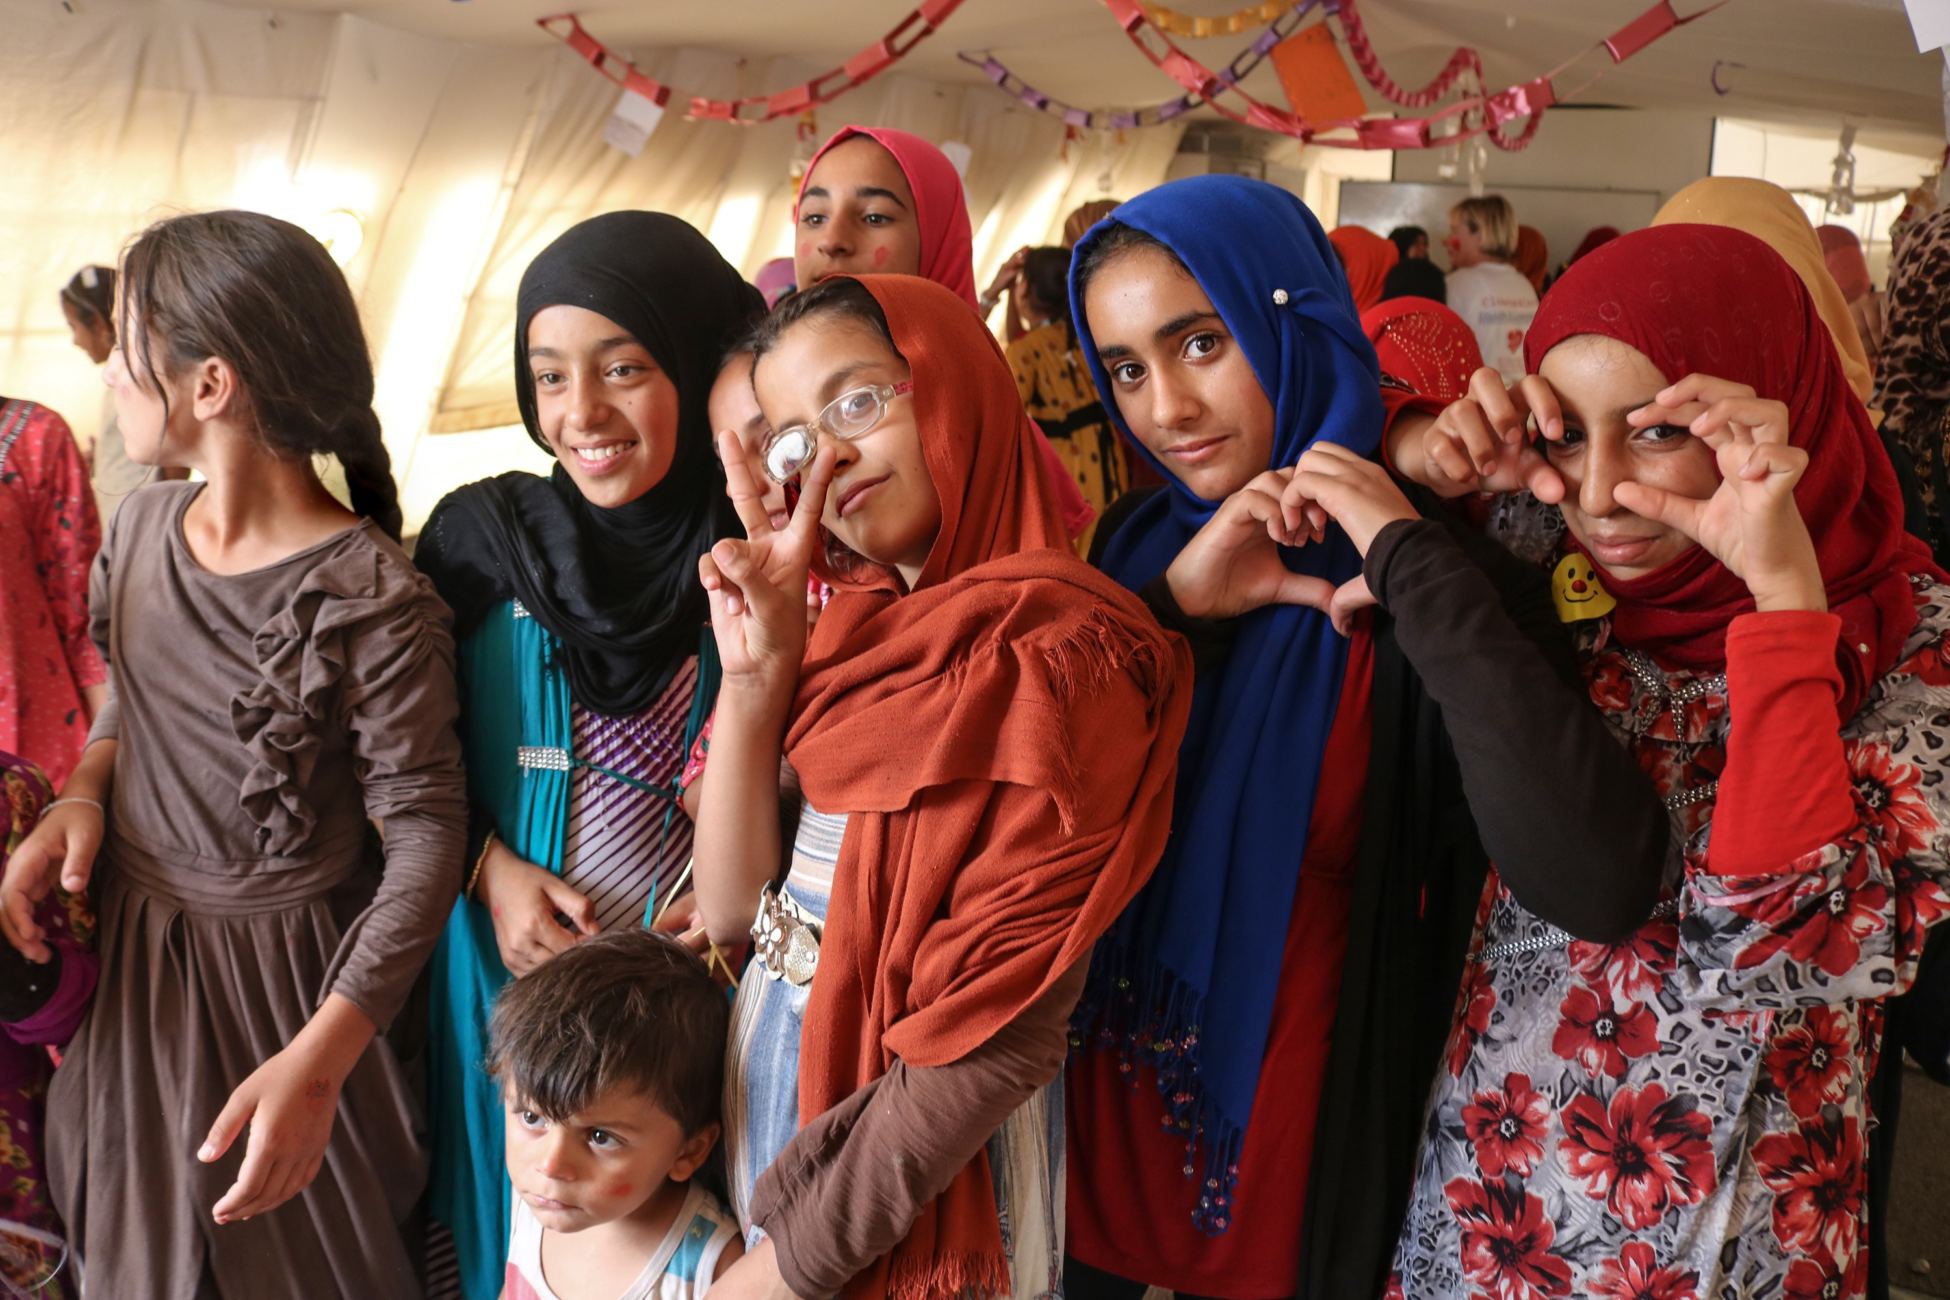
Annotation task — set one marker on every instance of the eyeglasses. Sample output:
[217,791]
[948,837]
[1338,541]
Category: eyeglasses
[846,417]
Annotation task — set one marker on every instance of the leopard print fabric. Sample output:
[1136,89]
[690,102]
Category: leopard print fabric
[1913,369]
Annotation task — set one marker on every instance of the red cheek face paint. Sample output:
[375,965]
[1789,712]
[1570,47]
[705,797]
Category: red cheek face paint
[879,258]
[806,247]
[620,1190]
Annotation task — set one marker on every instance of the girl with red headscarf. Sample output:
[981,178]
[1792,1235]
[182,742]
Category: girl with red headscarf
[1842,251]
[1424,345]
[984,731]
[1683,1112]
[1594,239]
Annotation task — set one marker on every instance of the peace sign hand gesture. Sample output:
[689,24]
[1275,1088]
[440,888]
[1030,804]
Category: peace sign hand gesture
[757,587]
[1751,523]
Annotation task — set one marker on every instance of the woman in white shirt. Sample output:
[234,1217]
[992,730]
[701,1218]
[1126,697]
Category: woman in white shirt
[1484,289]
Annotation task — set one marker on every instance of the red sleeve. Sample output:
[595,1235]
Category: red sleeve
[1786,789]
[1396,400]
[66,534]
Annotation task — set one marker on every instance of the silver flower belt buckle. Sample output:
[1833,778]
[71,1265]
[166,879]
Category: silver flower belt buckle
[785,943]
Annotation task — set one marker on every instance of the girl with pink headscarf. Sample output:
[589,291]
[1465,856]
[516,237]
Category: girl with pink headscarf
[878,200]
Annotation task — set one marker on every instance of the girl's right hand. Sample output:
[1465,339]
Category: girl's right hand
[67,840]
[757,587]
[1232,565]
[523,901]
[1479,444]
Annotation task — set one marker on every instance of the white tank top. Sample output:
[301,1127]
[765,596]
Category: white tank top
[680,1268]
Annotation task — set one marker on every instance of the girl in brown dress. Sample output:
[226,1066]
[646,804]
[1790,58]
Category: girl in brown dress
[230,1120]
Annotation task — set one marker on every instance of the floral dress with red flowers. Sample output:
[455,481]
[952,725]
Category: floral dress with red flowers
[49,534]
[1681,1115]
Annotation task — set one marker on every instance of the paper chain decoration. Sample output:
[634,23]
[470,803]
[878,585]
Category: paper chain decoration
[1464,60]
[1528,100]
[1282,25]
[1202,84]
[869,63]
[1239,20]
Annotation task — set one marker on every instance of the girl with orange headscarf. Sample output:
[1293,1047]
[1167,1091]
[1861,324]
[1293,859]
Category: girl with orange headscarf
[1367,258]
[1533,256]
[984,731]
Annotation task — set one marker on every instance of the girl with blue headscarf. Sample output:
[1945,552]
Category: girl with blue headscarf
[1279,992]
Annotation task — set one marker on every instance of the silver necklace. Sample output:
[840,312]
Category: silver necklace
[1673,701]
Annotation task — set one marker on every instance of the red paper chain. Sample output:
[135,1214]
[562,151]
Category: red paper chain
[1491,112]
[1369,133]
[869,63]
[1465,59]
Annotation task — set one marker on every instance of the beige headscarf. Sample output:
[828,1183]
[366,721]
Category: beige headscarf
[1770,214]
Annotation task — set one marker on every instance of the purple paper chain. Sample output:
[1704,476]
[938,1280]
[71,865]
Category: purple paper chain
[1241,66]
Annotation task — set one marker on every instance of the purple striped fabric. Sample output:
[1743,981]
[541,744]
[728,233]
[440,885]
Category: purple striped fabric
[617,846]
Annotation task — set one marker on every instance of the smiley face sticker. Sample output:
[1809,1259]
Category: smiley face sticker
[1576,591]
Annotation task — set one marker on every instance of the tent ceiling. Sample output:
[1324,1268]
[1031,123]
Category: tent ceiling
[1813,62]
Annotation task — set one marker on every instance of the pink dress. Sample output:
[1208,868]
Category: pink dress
[49,534]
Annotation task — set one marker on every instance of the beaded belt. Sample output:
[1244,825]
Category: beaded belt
[1552,937]
[786,942]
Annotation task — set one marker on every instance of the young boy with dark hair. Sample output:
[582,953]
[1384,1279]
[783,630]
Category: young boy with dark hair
[611,1061]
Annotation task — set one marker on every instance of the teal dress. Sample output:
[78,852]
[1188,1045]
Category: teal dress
[529,769]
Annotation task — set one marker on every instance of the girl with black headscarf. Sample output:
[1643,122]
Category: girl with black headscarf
[587,664]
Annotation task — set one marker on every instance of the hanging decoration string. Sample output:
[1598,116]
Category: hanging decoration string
[1281,26]
[1369,133]
[922,22]
[1479,114]
[1109,119]
[1463,62]
[1198,27]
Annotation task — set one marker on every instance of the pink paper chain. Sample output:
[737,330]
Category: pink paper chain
[869,63]
[1465,59]
[1490,112]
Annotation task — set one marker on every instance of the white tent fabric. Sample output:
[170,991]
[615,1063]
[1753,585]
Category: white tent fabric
[734,184]
[114,117]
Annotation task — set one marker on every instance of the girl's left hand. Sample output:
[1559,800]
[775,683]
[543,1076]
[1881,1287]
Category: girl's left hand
[289,1102]
[1751,523]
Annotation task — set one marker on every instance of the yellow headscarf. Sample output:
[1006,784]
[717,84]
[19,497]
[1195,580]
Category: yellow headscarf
[1770,214]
